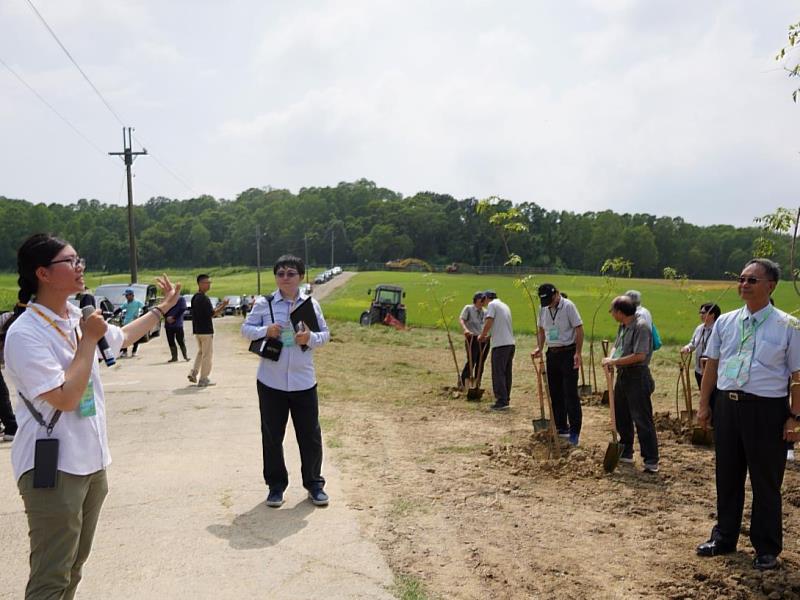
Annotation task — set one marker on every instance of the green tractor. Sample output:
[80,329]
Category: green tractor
[387,307]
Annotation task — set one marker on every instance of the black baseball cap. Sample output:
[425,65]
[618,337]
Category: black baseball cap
[546,293]
[490,294]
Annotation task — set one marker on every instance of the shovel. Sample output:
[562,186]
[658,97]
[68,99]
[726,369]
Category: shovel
[614,450]
[689,414]
[476,393]
[541,423]
[584,389]
[604,399]
[702,436]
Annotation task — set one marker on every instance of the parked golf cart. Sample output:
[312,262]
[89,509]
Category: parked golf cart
[388,300]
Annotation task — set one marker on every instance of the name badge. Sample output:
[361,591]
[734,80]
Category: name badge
[287,336]
[552,334]
[732,367]
[87,407]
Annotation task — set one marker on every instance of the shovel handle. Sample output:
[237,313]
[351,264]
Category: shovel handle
[610,385]
[538,366]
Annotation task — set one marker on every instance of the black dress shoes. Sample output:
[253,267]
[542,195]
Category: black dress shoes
[714,547]
[765,562]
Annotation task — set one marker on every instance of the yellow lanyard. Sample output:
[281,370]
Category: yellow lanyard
[52,323]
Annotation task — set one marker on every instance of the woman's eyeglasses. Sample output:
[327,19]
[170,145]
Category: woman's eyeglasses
[286,274]
[74,262]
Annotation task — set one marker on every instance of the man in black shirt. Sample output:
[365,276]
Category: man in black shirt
[203,329]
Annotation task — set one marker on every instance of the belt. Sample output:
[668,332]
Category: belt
[738,396]
[557,349]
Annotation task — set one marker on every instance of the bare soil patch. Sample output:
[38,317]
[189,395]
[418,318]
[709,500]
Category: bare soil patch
[468,501]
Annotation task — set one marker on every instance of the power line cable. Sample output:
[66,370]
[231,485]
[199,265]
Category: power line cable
[52,108]
[102,98]
[74,62]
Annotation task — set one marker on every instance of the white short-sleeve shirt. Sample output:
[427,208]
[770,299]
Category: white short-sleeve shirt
[502,330]
[564,318]
[37,357]
[776,354]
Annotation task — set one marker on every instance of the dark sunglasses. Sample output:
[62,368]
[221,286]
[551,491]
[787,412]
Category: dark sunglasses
[286,274]
[74,262]
[751,280]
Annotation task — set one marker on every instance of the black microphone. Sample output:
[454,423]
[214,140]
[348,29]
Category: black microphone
[102,344]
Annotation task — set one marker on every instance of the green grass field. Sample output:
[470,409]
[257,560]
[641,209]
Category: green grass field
[674,307]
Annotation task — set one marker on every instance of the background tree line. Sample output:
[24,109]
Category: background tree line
[374,224]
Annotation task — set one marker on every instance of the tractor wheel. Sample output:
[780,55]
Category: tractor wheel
[401,315]
[364,319]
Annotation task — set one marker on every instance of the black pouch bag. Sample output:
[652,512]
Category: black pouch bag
[45,463]
[267,347]
[45,454]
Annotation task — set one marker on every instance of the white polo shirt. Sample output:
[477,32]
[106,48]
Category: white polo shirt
[36,358]
[502,331]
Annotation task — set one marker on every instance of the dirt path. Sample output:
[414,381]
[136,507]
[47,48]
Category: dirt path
[465,501]
[323,289]
[185,516]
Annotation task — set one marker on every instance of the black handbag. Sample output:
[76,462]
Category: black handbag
[267,347]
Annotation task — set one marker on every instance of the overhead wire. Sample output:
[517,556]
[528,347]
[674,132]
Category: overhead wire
[52,108]
[102,98]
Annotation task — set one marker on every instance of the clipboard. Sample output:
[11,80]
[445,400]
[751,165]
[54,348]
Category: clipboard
[305,312]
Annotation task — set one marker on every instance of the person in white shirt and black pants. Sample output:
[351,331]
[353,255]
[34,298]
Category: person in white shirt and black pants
[752,353]
[51,355]
[288,385]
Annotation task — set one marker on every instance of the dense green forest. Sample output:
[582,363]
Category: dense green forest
[371,224]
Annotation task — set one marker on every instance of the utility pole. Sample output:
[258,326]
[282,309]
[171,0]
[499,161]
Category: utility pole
[332,234]
[305,243]
[258,259]
[129,156]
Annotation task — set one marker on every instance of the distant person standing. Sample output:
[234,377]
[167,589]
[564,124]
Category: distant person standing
[132,308]
[709,313]
[497,324]
[203,328]
[471,320]
[631,355]
[560,325]
[173,325]
[7,418]
[641,311]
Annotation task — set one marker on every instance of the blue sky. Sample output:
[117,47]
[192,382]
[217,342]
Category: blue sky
[672,108]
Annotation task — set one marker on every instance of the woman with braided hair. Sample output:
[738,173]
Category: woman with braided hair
[60,451]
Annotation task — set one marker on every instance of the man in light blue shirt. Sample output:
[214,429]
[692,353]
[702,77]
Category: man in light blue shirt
[288,385]
[753,366]
[133,308]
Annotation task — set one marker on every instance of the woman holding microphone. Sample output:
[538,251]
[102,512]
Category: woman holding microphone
[60,451]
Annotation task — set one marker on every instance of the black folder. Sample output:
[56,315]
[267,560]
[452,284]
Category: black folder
[305,312]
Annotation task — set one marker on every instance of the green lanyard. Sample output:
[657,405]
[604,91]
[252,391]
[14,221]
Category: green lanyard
[756,324]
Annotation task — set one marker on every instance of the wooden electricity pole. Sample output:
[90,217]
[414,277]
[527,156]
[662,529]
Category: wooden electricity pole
[129,156]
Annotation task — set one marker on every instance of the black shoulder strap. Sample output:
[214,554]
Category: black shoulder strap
[269,298]
[38,416]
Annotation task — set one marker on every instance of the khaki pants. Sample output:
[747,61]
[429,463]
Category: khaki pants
[205,350]
[61,526]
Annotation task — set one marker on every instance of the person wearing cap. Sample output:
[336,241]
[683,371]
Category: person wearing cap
[631,355]
[471,320]
[497,324]
[132,308]
[753,353]
[561,327]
